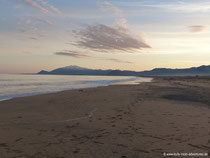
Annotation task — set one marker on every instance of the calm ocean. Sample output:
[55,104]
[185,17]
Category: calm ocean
[12,86]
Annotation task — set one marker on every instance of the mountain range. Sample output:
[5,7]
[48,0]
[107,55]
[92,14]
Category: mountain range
[76,70]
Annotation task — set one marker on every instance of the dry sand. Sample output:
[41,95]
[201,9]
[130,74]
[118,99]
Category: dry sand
[120,121]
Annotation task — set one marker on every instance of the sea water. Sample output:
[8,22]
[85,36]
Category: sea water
[19,85]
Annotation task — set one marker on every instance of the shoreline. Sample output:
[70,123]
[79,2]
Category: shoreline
[170,114]
[147,79]
[6,99]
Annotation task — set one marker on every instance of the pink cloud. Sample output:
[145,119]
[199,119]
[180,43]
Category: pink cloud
[44,21]
[110,8]
[197,28]
[73,54]
[36,5]
[53,8]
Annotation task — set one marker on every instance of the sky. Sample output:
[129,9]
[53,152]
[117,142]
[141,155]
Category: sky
[103,34]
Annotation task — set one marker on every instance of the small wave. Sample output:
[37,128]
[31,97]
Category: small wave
[35,85]
[5,99]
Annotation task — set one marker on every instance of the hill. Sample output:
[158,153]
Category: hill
[76,70]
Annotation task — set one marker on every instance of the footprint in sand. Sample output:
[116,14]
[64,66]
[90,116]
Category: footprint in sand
[96,142]
[142,151]
[3,145]
[19,139]
[76,151]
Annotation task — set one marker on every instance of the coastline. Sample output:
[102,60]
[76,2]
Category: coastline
[170,114]
[33,85]
[6,99]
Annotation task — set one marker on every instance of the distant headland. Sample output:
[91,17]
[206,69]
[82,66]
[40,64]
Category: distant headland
[76,70]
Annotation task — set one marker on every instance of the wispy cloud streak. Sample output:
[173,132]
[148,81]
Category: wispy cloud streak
[72,54]
[36,5]
[118,60]
[53,8]
[108,7]
[43,6]
[179,6]
[76,54]
[44,21]
[197,28]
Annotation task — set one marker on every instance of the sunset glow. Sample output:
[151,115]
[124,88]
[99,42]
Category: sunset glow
[115,34]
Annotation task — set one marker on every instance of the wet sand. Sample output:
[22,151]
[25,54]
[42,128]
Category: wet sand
[170,114]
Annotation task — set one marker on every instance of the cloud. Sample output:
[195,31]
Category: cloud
[23,21]
[28,21]
[43,2]
[197,28]
[76,54]
[32,21]
[53,8]
[110,8]
[118,60]
[44,21]
[122,24]
[175,6]
[43,6]
[104,38]
[189,7]
[36,5]
[72,54]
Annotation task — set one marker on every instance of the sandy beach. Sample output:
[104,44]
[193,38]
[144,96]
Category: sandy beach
[168,115]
